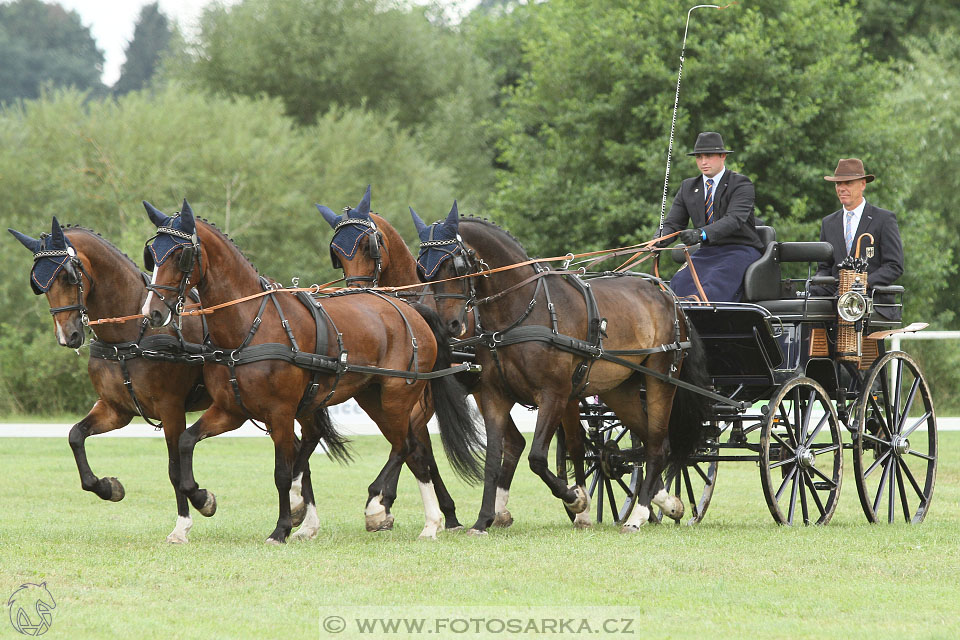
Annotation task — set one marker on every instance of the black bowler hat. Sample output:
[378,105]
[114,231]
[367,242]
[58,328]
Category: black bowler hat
[709,142]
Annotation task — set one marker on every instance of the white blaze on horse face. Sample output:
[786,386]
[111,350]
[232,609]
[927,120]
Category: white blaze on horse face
[61,336]
[431,511]
[146,303]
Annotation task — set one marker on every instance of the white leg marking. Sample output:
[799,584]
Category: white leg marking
[502,496]
[311,524]
[671,505]
[583,520]
[180,530]
[502,517]
[431,511]
[296,498]
[638,518]
[375,513]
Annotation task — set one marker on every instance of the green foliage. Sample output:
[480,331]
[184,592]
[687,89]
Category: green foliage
[151,37]
[92,162]
[586,129]
[315,56]
[43,44]
[888,26]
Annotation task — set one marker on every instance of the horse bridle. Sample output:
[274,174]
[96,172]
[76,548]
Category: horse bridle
[75,272]
[465,263]
[189,256]
[369,228]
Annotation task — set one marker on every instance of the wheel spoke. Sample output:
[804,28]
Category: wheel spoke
[816,496]
[807,411]
[873,438]
[624,486]
[896,393]
[786,423]
[593,483]
[706,479]
[803,498]
[877,462]
[599,498]
[914,426]
[909,404]
[920,455]
[782,442]
[903,494]
[913,482]
[885,387]
[825,478]
[786,479]
[816,431]
[780,463]
[883,484]
[686,480]
[893,490]
[793,496]
[613,500]
[827,449]
[880,414]
[796,418]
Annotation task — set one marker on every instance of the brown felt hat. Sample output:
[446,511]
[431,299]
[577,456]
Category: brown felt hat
[849,169]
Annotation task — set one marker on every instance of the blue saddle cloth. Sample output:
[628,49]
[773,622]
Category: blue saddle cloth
[720,269]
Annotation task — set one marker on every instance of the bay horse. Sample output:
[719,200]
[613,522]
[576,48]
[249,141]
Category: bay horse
[85,278]
[546,339]
[372,253]
[304,356]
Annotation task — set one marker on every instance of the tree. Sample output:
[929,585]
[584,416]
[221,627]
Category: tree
[43,44]
[888,26]
[584,133]
[151,37]
[356,53]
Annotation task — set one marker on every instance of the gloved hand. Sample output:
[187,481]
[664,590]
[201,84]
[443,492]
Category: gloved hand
[689,236]
[665,242]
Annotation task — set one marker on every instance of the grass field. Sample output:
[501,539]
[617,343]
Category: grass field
[735,575]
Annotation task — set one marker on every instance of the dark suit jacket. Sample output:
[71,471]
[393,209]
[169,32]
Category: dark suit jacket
[733,220]
[885,266]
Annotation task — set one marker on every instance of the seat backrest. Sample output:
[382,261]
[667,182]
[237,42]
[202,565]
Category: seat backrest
[761,281]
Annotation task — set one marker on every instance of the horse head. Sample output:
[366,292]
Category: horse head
[356,246]
[176,236]
[59,272]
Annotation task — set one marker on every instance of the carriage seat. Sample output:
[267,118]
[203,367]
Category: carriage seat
[762,280]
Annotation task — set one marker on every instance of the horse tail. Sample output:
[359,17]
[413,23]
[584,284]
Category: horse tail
[333,442]
[690,409]
[460,429]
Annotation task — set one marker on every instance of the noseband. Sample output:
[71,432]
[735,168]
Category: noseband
[75,272]
[464,264]
[368,228]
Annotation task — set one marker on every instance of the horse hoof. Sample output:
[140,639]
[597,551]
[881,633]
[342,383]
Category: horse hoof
[582,523]
[274,541]
[116,490]
[671,505]
[580,503]
[503,519]
[455,528]
[299,513]
[428,537]
[375,521]
[629,528]
[476,532]
[304,534]
[176,538]
[209,505]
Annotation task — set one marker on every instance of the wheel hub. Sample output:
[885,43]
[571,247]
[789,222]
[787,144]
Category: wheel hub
[805,458]
[900,445]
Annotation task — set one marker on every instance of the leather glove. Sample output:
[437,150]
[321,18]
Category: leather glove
[689,236]
[665,242]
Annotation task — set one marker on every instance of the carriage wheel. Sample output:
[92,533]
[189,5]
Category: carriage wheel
[694,484]
[895,460]
[801,454]
[612,478]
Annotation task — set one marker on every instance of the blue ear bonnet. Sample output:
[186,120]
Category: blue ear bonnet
[168,239]
[53,256]
[348,233]
[437,244]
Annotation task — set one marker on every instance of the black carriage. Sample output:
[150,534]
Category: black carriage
[789,377]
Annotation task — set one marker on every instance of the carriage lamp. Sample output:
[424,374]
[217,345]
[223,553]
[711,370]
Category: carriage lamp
[852,306]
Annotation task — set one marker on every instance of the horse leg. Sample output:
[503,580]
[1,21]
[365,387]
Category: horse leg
[285,457]
[418,463]
[552,408]
[214,421]
[573,437]
[495,409]
[101,419]
[513,444]
[383,490]
[173,426]
[418,427]
[301,488]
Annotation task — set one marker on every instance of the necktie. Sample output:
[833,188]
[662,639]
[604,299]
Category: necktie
[709,203]
[848,230]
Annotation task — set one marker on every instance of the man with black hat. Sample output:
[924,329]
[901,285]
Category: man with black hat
[857,216]
[719,205]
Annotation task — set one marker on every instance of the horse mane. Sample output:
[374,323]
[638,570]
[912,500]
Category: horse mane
[116,250]
[492,225]
[224,235]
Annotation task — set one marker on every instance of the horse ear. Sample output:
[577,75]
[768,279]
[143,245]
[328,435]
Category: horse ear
[417,222]
[453,218]
[187,222]
[332,218]
[56,234]
[363,209]
[157,217]
[30,243]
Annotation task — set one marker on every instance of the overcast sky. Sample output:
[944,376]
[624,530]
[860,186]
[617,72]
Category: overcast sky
[112,22]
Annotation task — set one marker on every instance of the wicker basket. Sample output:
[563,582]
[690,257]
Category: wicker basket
[848,339]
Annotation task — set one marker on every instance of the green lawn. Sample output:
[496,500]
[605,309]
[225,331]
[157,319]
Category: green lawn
[736,575]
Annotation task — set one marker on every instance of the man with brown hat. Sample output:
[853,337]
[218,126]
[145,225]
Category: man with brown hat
[856,217]
[719,205]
